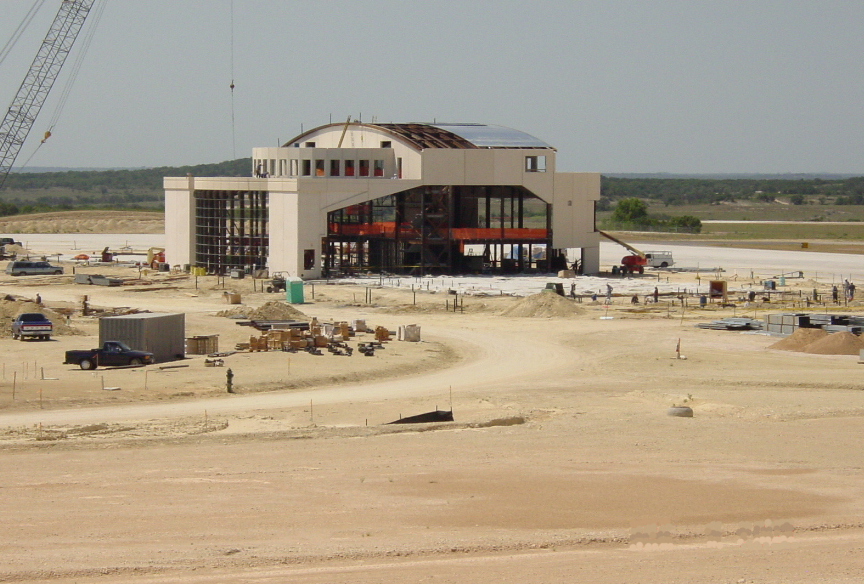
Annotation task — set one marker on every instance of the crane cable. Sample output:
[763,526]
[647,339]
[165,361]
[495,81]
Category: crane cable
[25,22]
[67,88]
[233,128]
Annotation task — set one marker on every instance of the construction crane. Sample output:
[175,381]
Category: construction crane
[39,80]
[632,263]
[638,259]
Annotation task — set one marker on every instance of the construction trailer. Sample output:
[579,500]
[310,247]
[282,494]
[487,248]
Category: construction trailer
[163,334]
[416,198]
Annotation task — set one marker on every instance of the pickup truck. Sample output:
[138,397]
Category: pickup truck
[33,325]
[112,354]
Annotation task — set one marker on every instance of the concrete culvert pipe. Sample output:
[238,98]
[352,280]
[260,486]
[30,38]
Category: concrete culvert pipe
[680,412]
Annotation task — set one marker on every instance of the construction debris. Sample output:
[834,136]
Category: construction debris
[97,280]
[409,333]
[426,418]
[732,324]
[202,345]
[788,323]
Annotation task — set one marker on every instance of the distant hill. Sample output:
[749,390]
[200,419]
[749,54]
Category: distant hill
[140,188]
[149,178]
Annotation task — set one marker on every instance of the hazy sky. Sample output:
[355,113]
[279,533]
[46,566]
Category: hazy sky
[686,86]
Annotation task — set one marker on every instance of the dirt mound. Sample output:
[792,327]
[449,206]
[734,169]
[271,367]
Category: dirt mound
[842,343]
[544,304]
[12,307]
[799,340]
[819,342]
[273,310]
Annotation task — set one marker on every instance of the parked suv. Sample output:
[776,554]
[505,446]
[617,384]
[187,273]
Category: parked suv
[21,268]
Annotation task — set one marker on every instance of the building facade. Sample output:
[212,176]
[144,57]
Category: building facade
[414,198]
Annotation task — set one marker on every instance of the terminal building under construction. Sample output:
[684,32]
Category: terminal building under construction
[415,198]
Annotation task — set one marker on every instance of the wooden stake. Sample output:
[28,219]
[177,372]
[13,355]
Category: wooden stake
[145,379]
[40,399]
[14,383]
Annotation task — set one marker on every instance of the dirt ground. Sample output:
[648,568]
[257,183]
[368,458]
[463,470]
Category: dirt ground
[562,464]
[102,221]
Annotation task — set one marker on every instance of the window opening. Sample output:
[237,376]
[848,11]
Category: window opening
[379,168]
[364,168]
[535,164]
[334,168]
[307,168]
[349,168]
[319,168]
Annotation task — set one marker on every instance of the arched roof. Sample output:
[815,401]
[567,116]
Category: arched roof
[435,135]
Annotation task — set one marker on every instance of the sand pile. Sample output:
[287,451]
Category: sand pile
[273,310]
[819,342]
[9,309]
[799,340]
[842,343]
[544,304]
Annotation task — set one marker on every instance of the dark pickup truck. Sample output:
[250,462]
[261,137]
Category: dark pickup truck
[33,325]
[112,354]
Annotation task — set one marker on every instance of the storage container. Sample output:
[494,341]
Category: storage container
[162,334]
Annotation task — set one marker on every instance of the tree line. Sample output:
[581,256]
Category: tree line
[142,188]
[95,189]
[692,191]
[632,214]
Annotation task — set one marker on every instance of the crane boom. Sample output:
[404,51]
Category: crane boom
[629,247]
[40,78]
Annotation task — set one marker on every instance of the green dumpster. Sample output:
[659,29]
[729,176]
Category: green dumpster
[294,290]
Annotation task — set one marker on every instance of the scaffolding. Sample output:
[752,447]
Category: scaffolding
[442,230]
[231,230]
